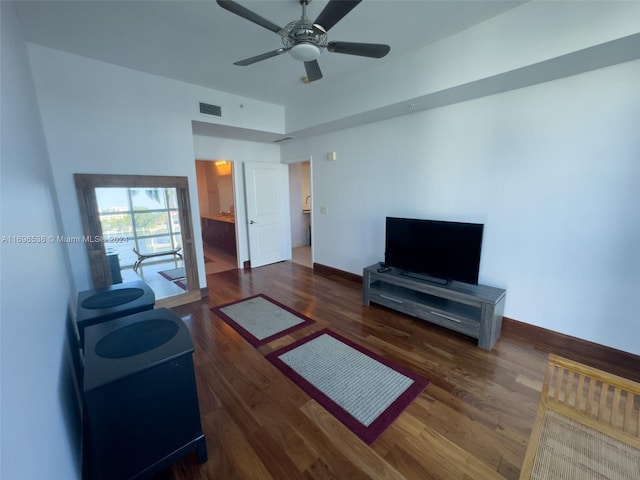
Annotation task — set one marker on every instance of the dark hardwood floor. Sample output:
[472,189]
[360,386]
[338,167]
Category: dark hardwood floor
[472,422]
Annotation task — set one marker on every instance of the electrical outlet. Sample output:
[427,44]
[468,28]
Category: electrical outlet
[324,210]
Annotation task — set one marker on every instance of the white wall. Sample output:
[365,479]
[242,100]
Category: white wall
[101,118]
[552,170]
[40,436]
[238,152]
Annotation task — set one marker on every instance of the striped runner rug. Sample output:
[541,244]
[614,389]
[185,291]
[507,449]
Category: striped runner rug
[364,391]
[261,319]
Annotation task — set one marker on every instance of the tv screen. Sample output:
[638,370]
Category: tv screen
[444,250]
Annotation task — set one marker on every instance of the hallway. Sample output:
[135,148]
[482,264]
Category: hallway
[302,256]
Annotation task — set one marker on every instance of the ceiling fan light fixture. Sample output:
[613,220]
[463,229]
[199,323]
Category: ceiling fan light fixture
[305,52]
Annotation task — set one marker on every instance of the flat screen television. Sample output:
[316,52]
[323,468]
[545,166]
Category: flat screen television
[434,249]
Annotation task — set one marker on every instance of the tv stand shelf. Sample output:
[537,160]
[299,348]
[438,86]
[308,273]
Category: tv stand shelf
[473,310]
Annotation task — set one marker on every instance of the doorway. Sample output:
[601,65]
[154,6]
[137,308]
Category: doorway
[301,207]
[216,200]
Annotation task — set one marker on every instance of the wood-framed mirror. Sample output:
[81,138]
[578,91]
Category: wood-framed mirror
[157,220]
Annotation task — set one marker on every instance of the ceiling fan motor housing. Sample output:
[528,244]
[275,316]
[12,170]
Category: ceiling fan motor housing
[305,41]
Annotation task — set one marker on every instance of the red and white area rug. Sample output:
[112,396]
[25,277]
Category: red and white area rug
[261,319]
[363,390]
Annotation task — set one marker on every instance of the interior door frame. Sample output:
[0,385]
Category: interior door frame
[100,274]
[238,202]
[298,160]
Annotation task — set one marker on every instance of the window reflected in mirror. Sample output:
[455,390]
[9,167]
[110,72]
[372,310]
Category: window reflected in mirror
[146,222]
[145,216]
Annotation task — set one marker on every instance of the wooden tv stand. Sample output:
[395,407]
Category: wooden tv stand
[473,310]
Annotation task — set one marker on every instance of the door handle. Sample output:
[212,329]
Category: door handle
[251,222]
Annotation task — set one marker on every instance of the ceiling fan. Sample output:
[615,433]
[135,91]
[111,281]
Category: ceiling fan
[305,40]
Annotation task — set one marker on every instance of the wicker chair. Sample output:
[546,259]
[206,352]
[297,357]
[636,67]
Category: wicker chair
[587,426]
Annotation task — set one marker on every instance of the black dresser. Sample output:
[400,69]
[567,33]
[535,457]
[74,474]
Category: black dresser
[102,304]
[140,399]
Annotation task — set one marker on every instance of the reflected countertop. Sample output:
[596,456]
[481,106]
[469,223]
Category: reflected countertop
[221,217]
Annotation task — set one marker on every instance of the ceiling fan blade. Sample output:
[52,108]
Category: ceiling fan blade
[334,12]
[257,58]
[374,50]
[238,9]
[313,70]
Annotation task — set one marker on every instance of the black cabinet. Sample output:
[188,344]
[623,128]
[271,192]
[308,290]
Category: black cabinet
[220,233]
[103,304]
[140,397]
[114,266]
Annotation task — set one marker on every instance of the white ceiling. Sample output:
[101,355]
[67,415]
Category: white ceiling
[198,41]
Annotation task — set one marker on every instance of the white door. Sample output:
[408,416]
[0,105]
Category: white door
[267,191]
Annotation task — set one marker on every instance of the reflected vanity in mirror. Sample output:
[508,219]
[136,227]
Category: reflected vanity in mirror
[146,224]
